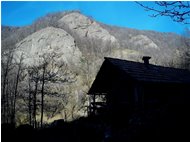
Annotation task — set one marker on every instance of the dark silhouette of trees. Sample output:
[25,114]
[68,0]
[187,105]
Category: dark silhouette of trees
[18,77]
[6,64]
[52,73]
[12,76]
[32,90]
[178,11]
[44,67]
[35,90]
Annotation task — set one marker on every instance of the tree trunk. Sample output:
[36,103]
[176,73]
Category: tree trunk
[15,99]
[4,97]
[29,103]
[16,90]
[34,103]
[42,93]
[7,104]
[65,115]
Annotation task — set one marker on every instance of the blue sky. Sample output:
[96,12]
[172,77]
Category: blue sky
[125,14]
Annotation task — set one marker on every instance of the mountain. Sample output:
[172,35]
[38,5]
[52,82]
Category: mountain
[160,46]
[80,43]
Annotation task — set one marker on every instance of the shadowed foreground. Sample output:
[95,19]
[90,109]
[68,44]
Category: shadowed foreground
[167,124]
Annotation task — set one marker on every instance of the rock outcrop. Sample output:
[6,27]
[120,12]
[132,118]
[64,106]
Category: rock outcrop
[49,40]
[144,41]
[85,27]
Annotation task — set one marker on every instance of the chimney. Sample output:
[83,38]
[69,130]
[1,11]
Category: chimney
[146,60]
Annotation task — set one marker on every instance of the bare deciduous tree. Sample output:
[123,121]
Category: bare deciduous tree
[7,66]
[18,77]
[12,76]
[33,87]
[178,11]
[52,73]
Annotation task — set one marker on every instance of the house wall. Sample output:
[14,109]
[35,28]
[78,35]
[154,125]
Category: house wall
[156,95]
[121,100]
[128,96]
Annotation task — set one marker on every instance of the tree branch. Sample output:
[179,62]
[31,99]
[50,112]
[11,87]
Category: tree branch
[178,11]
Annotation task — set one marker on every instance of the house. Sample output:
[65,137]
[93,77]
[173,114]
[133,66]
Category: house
[127,86]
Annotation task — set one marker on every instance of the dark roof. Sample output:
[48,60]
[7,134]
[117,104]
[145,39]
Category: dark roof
[151,73]
[137,72]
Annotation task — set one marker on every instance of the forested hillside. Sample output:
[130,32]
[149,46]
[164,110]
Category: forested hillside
[48,67]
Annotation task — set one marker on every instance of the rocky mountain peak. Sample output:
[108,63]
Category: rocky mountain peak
[85,27]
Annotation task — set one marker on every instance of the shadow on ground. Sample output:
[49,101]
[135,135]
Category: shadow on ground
[152,125]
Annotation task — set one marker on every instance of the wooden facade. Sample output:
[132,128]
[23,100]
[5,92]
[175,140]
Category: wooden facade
[126,86]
